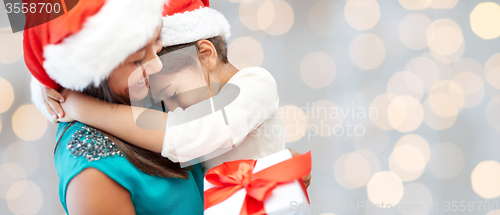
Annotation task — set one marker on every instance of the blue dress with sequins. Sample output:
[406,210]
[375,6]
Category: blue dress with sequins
[82,147]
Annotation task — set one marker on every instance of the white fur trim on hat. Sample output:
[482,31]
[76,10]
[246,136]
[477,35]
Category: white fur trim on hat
[194,25]
[119,29]
[38,98]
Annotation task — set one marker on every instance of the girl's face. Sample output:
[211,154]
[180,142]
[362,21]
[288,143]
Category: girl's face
[181,82]
[131,78]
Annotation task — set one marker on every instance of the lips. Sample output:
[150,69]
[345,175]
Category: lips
[142,83]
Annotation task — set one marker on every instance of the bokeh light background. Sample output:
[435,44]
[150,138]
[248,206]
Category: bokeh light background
[417,82]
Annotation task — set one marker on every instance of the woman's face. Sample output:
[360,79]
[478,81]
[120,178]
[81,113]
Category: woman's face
[131,79]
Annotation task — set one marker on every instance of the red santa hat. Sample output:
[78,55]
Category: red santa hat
[187,21]
[83,46]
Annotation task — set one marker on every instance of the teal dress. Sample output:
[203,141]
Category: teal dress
[149,194]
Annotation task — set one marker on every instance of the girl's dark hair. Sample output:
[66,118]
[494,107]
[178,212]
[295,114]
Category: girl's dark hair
[218,42]
[147,161]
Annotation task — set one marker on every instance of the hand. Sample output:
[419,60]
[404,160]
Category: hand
[307,178]
[52,100]
[69,105]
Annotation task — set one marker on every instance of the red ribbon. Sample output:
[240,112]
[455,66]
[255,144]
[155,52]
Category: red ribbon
[229,177]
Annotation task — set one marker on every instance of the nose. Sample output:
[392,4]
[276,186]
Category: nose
[153,66]
[153,63]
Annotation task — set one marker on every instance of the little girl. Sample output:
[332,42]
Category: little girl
[234,117]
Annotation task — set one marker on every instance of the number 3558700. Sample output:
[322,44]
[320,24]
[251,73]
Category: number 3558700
[32,8]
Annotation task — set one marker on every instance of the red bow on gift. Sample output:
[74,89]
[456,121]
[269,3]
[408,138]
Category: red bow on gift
[229,177]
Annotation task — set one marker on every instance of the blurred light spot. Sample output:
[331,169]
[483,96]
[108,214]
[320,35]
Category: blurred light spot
[485,20]
[447,160]
[280,22]
[385,187]
[28,123]
[9,174]
[11,46]
[435,121]
[418,142]
[447,59]
[23,154]
[403,174]
[409,158]
[446,98]
[426,69]
[417,152]
[318,70]
[405,113]
[418,196]
[473,88]
[248,13]
[353,170]
[443,105]
[326,18]
[372,159]
[357,169]
[340,175]
[25,197]
[325,118]
[266,14]
[443,4]
[374,139]
[493,62]
[412,31]
[245,52]
[6,95]
[493,112]
[467,65]
[367,51]
[444,37]
[362,14]
[494,212]
[406,83]
[415,4]
[485,178]
[294,122]
[378,109]
[492,70]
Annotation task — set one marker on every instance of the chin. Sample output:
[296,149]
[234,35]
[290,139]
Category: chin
[138,94]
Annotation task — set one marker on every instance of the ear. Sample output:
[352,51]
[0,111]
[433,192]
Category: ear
[207,54]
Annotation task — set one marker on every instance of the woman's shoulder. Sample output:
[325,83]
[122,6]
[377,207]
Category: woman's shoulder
[84,142]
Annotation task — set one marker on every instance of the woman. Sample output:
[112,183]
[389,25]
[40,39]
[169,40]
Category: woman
[103,43]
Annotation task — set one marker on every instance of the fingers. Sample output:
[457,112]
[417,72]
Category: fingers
[55,108]
[52,97]
[307,180]
[293,152]
[54,94]
[51,112]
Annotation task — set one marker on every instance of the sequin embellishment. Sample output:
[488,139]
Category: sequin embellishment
[92,145]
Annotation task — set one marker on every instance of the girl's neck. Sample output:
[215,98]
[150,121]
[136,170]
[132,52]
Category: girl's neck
[227,71]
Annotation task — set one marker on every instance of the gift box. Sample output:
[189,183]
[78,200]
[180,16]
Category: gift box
[271,185]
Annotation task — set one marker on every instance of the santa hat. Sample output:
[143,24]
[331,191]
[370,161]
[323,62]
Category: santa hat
[83,46]
[187,21]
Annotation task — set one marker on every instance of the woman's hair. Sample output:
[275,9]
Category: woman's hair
[147,161]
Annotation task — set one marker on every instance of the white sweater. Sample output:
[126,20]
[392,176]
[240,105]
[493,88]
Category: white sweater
[243,123]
